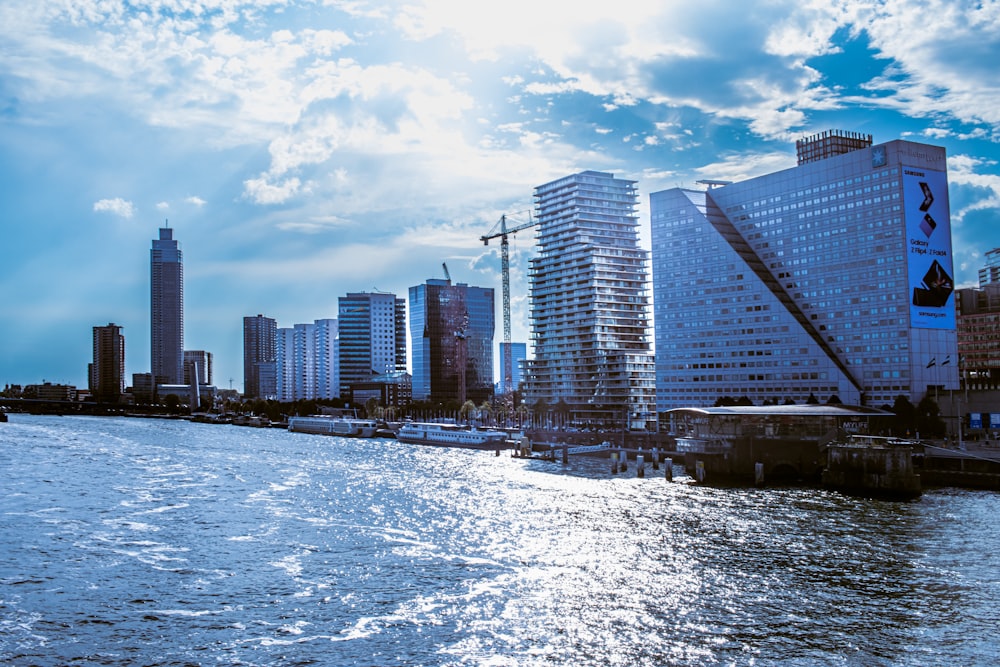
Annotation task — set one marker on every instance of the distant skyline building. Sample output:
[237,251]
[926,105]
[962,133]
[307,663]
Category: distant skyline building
[372,331]
[452,328]
[285,373]
[327,355]
[590,304]
[979,336]
[518,354]
[259,356]
[830,280]
[107,372]
[201,362]
[990,273]
[307,361]
[167,309]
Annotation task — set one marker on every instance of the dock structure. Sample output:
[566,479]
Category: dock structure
[873,466]
[767,443]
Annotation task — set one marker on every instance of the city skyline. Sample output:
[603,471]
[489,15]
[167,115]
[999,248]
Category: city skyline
[301,152]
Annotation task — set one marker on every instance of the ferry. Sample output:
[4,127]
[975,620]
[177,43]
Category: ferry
[347,427]
[451,435]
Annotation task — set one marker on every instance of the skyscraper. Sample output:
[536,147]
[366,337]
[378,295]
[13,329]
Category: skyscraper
[107,372]
[830,280]
[259,356]
[167,309]
[589,303]
[372,331]
[452,328]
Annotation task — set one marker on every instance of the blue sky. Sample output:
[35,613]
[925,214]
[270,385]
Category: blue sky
[303,149]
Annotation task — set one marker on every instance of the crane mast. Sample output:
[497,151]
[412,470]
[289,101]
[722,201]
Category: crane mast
[502,231]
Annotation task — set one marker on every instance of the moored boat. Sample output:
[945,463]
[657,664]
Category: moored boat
[451,435]
[346,427]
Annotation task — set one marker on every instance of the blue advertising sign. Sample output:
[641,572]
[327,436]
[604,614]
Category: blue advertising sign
[928,243]
[975,420]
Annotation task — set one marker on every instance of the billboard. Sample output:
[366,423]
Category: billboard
[928,243]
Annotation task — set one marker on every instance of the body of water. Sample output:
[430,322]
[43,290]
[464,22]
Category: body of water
[157,542]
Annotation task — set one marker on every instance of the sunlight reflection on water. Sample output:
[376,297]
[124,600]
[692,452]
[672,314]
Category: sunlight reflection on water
[155,542]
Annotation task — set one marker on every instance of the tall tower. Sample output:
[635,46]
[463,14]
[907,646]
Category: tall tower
[372,330]
[452,328]
[259,356]
[589,303]
[107,373]
[166,309]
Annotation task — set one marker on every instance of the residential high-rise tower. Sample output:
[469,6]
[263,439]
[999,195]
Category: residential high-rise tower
[589,303]
[107,372]
[259,356]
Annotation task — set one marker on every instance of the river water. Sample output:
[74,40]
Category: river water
[157,542]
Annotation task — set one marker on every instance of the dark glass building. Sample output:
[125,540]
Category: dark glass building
[452,327]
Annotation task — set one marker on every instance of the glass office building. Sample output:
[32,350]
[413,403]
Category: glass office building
[452,328]
[589,303]
[829,280]
[372,334]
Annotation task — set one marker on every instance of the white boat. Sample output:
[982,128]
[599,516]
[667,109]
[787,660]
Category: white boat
[451,435]
[347,427]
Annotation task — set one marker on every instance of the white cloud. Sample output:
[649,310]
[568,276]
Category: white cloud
[260,191]
[117,206]
[196,201]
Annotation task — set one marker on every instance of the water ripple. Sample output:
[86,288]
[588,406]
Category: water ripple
[167,543]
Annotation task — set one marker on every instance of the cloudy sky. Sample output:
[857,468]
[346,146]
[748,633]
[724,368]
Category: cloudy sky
[303,149]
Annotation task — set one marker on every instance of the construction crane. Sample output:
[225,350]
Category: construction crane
[501,230]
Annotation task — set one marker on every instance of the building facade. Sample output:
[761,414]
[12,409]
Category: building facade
[259,356]
[197,367]
[990,273]
[589,303]
[372,331]
[285,373]
[518,353]
[452,328]
[107,372]
[327,358]
[167,309]
[979,336]
[829,280]
[307,361]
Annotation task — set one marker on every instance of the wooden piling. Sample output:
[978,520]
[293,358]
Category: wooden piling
[640,466]
[668,466]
